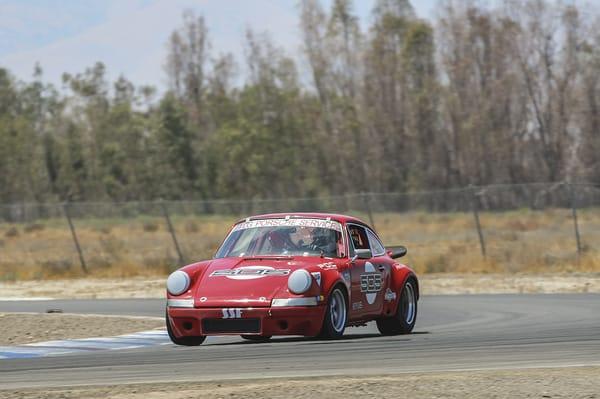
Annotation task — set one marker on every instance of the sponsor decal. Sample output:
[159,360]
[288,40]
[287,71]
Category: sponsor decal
[250,272]
[321,223]
[357,305]
[389,295]
[370,283]
[327,266]
[317,277]
[346,277]
[232,313]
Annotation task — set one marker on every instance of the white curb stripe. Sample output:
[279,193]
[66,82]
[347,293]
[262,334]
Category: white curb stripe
[61,347]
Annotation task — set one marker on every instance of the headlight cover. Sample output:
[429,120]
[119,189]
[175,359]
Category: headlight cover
[299,281]
[178,282]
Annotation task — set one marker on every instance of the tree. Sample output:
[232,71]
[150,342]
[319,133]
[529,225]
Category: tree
[188,54]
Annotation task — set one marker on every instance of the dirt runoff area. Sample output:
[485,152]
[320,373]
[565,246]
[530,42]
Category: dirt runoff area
[574,382]
[431,284]
[25,328]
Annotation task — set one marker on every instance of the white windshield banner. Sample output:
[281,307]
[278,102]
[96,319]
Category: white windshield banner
[320,223]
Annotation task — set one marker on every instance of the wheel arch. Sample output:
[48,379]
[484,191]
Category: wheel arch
[400,275]
[342,284]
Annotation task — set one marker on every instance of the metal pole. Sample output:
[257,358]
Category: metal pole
[172,231]
[475,207]
[75,240]
[575,223]
[367,201]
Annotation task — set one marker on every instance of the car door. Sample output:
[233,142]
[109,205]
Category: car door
[383,263]
[367,275]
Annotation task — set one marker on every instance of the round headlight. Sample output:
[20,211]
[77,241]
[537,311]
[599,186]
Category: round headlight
[299,281]
[178,282]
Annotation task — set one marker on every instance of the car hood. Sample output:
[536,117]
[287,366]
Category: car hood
[247,282]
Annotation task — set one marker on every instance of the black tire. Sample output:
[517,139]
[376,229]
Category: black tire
[336,315]
[257,338]
[403,321]
[185,341]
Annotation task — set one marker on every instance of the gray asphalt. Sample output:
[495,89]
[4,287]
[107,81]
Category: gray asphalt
[452,333]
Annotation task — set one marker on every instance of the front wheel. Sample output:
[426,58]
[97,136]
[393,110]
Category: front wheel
[404,320]
[336,315]
[185,341]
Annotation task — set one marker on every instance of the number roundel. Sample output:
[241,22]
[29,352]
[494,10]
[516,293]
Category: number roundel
[370,283]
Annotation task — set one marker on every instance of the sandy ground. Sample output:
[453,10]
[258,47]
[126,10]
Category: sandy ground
[24,328]
[433,284]
[430,284]
[575,382]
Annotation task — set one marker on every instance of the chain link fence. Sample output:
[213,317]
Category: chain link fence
[499,228]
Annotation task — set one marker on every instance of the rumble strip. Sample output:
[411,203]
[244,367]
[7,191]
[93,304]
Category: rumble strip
[68,346]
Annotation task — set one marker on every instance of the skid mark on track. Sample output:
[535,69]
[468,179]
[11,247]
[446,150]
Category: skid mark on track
[61,347]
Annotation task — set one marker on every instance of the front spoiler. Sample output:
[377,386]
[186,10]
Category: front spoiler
[280,320]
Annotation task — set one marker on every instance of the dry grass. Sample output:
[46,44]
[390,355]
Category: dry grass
[516,241]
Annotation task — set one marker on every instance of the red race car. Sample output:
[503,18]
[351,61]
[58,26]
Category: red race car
[308,274]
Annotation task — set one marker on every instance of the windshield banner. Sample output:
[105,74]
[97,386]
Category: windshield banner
[321,223]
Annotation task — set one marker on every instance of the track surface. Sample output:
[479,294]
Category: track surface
[452,333]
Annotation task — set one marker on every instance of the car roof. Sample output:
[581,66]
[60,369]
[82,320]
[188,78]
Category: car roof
[309,215]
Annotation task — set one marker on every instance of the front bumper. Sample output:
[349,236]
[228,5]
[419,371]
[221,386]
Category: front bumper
[274,320]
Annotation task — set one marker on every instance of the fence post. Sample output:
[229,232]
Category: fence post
[75,240]
[573,201]
[172,231]
[366,198]
[475,206]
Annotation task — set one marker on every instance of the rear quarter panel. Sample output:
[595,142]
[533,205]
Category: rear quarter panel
[399,274]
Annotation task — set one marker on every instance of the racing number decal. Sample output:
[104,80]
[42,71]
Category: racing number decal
[370,283]
[232,313]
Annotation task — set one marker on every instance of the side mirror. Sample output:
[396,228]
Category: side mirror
[397,251]
[363,253]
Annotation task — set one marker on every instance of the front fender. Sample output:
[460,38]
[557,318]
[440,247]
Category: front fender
[330,278]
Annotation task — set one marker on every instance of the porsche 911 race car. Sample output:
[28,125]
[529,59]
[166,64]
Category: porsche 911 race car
[308,274]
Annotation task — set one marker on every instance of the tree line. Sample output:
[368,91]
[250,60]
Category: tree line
[508,93]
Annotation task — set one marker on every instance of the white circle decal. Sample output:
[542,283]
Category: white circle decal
[371,296]
[250,272]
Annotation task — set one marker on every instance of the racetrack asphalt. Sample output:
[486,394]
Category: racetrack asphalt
[457,332]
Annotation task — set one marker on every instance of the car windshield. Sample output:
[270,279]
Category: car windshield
[284,237]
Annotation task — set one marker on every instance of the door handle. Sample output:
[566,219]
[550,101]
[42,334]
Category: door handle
[381,268]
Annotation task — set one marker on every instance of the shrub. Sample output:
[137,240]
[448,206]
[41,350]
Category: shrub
[12,232]
[112,247]
[57,268]
[104,230]
[191,227]
[30,228]
[150,227]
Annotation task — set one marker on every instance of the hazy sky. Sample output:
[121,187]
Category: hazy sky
[129,36]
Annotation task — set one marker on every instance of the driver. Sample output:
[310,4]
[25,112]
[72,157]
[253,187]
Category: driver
[324,240]
[280,240]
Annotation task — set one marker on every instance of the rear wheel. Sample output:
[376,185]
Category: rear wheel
[404,320]
[335,316]
[257,338]
[185,341]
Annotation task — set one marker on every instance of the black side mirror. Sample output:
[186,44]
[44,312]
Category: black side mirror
[363,253]
[396,251]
